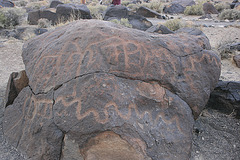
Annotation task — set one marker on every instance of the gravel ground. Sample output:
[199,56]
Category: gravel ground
[10,61]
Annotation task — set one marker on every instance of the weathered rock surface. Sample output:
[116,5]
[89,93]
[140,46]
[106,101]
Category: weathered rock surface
[93,84]
[226,98]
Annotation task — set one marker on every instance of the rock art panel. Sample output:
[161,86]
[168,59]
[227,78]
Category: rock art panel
[93,84]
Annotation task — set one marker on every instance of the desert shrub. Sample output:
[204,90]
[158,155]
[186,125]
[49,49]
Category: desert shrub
[44,23]
[222,6]
[37,5]
[123,21]
[21,3]
[97,11]
[224,49]
[230,14]
[174,24]
[125,3]
[196,9]
[10,17]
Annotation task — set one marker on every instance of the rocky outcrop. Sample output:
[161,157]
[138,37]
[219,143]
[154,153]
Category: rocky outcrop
[118,12]
[226,98]
[94,84]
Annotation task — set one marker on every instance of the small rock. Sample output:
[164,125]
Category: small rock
[237,60]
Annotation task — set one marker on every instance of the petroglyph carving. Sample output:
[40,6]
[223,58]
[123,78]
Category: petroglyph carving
[97,84]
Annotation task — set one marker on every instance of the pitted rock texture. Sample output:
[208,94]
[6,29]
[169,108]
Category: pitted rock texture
[93,84]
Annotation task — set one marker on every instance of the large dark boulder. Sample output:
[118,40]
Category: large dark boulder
[115,12]
[75,11]
[49,14]
[209,8]
[226,98]
[174,8]
[94,84]
[118,12]
[6,3]
[146,12]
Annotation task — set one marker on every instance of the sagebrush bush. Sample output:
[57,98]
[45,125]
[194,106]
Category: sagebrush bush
[230,14]
[10,17]
[155,5]
[44,23]
[97,11]
[174,24]
[196,9]
[222,6]
[123,21]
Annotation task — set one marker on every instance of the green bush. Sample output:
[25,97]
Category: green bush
[97,11]
[222,6]
[174,24]
[194,9]
[10,17]
[230,14]
[123,21]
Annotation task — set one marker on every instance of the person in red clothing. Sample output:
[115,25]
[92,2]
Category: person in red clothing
[116,2]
